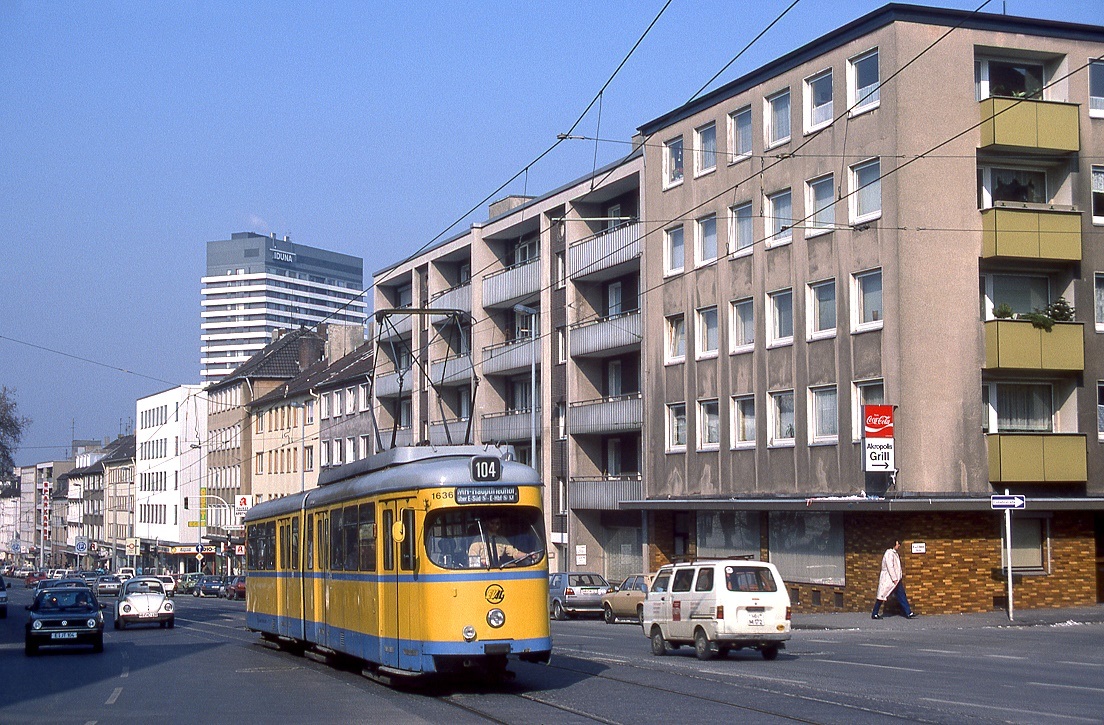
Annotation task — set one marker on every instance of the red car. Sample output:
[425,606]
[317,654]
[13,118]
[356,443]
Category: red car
[236,588]
[34,578]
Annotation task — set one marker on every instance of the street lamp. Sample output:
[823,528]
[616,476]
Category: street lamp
[522,309]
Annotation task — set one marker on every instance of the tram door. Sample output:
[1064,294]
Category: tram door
[399,598]
[293,592]
[321,587]
[283,550]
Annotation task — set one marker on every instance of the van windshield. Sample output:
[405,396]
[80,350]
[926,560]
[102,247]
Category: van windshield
[749,579]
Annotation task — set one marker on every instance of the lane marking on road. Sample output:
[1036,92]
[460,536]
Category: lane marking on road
[582,636]
[114,696]
[822,641]
[1067,687]
[871,644]
[126,672]
[1042,715]
[1081,664]
[869,664]
[1006,657]
[940,651]
[208,624]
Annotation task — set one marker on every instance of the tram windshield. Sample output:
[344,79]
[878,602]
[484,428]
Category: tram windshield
[485,537]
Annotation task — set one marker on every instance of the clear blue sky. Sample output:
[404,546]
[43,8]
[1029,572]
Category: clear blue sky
[131,133]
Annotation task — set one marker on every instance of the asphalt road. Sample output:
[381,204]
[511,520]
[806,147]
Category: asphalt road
[210,669]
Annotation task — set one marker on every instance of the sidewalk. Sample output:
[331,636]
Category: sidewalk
[1022,618]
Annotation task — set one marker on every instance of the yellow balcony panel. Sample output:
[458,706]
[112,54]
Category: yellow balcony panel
[1030,124]
[1037,458]
[1019,345]
[1031,234]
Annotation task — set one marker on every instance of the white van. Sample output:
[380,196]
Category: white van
[718,606]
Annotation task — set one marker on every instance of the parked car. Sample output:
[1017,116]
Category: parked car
[33,578]
[22,572]
[69,582]
[576,592]
[3,599]
[142,600]
[186,583]
[108,585]
[209,585]
[170,584]
[126,572]
[626,600]
[63,616]
[718,606]
[235,588]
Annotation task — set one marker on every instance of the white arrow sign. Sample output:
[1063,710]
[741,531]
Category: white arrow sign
[878,455]
[1006,501]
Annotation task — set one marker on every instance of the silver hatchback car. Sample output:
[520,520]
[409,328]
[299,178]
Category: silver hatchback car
[576,592]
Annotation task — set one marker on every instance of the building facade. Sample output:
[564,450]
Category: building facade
[255,285]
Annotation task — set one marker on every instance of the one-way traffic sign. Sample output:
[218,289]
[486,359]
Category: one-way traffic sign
[1006,501]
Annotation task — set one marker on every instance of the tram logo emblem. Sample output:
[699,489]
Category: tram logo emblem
[495,594]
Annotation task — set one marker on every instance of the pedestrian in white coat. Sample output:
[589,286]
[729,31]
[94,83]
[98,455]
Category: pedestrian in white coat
[892,581]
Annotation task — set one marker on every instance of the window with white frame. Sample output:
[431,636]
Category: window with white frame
[676,338]
[561,346]
[709,424]
[365,446]
[561,421]
[741,229]
[820,202]
[324,405]
[1021,407]
[561,271]
[739,134]
[822,309]
[743,421]
[999,185]
[868,300]
[1099,295]
[676,426]
[818,100]
[824,414]
[1008,78]
[365,396]
[706,241]
[707,336]
[742,335]
[1098,194]
[672,162]
[779,218]
[1096,89]
[781,422]
[863,82]
[308,458]
[350,450]
[780,322]
[777,118]
[1100,410]
[866,392]
[675,252]
[705,148]
[350,401]
[1022,293]
[866,191]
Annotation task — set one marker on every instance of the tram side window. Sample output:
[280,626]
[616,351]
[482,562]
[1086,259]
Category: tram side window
[323,542]
[308,542]
[337,542]
[295,564]
[388,542]
[251,548]
[285,546]
[406,551]
[349,529]
[366,537]
[269,554]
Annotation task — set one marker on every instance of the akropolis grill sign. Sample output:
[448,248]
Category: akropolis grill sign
[878,439]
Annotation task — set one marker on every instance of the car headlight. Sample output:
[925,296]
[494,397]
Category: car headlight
[496,618]
[469,633]
[167,606]
[126,609]
[37,624]
[91,623]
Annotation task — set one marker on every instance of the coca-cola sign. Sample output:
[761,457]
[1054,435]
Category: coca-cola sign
[878,421]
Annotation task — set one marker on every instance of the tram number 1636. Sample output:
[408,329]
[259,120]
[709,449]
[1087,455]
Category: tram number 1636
[486,468]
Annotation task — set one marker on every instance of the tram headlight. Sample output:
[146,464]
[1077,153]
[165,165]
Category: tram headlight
[496,618]
[469,633]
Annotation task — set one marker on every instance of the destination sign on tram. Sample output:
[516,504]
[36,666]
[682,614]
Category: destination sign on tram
[486,494]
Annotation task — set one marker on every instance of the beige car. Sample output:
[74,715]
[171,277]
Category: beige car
[627,600]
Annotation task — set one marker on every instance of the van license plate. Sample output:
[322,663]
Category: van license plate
[755,619]
[63,635]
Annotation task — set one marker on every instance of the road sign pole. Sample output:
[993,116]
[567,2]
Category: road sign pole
[1008,533]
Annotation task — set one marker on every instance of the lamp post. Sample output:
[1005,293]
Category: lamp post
[522,309]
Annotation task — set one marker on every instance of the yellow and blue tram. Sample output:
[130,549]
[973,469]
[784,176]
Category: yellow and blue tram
[416,560]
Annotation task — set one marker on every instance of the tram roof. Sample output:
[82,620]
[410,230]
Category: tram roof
[400,469]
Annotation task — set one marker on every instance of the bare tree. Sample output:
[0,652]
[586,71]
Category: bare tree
[12,426]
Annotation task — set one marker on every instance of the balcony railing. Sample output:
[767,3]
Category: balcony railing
[1031,234]
[456,428]
[387,384]
[1037,458]
[623,414]
[513,425]
[1019,345]
[396,326]
[609,254]
[511,357]
[457,298]
[604,493]
[403,437]
[452,370]
[1030,124]
[607,337]
[503,289]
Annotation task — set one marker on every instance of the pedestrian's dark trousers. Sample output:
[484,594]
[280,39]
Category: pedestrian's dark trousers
[902,600]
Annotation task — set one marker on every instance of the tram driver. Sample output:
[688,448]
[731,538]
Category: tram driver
[492,548]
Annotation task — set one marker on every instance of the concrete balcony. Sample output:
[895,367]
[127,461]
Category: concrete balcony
[624,414]
[1037,458]
[457,430]
[1031,234]
[403,437]
[457,298]
[513,285]
[387,384]
[510,358]
[452,370]
[604,493]
[1030,124]
[607,255]
[513,425]
[1019,345]
[607,337]
[395,327]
